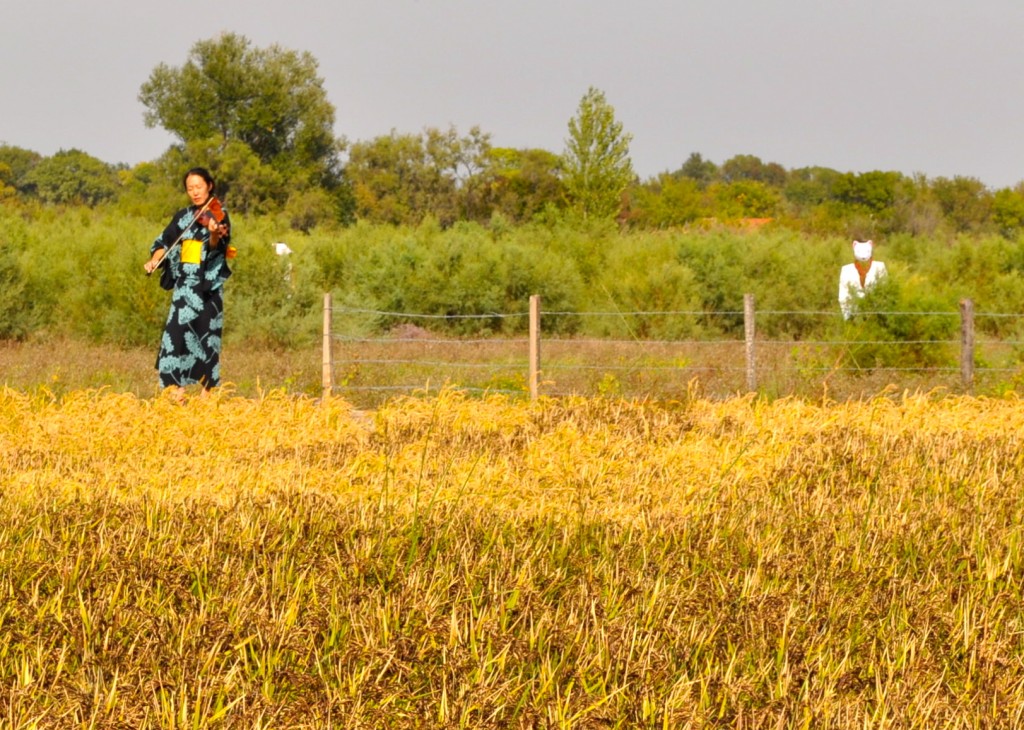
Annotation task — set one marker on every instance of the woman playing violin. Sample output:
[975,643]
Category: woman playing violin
[192,251]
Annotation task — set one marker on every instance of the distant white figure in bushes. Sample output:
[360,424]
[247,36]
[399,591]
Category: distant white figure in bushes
[284,250]
[856,278]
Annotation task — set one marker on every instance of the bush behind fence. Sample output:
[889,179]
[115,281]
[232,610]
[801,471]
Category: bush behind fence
[370,355]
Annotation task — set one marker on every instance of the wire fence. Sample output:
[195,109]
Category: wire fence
[371,355]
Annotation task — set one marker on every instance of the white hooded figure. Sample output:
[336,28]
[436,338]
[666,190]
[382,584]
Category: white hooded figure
[858,277]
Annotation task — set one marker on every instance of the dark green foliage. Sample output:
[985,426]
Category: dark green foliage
[454,276]
[404,179]
[78,272]
[718,268]
[810,186]
[16,318]
[898,325]
[15,165]
[750,167]
[873,191]
[269,99]
[744,198]
[645,276]
[698,169]
[267,302]
[670,201]
[1008,211]
[260,119]
[965,202]
[72,177]
[519,184]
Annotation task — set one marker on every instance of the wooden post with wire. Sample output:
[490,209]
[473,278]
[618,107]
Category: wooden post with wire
[967,344]
[534,346]
[748,332]
[328,360]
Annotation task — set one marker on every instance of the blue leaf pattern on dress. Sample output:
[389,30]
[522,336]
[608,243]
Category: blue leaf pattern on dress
[187,315]
[170,364]
[194,345]
[192,298]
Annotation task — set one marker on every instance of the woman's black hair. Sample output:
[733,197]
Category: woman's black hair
[201,172]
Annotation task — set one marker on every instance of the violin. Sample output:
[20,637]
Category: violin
[212,211]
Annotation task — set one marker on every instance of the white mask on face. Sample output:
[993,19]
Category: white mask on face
[862,250]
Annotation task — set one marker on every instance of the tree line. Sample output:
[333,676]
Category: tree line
[260,119]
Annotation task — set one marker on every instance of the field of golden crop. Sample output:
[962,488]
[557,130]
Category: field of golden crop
[487,563]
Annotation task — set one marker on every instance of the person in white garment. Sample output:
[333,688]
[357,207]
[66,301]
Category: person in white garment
[858,277]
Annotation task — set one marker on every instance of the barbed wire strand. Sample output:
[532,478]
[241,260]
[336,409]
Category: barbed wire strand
[643,344]
[665,312]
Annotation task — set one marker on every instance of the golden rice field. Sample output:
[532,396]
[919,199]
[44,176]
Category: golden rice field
[276,562]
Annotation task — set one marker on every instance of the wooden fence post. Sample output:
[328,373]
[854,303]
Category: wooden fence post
[748,331]
[328,359]
[967,344]
[534,346]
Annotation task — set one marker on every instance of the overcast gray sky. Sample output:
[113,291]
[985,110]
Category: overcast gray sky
[918,86]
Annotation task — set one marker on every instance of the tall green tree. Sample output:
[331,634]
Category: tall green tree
[809,186]
[744,199]
[750,167]
[598,168]
[15,164]
[874,191]
[270,99]
[965,202]
[520,183]
[403,178]
[699,169]
[1008,210]
[460,160]
[667,201]
[391,180]
[73,177]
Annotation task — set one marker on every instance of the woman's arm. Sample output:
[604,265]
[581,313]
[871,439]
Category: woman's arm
[158,249]
[154,260]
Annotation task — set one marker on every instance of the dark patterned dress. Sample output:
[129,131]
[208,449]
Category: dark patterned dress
[191,342]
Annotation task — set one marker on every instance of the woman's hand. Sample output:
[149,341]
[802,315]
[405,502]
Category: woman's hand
[154,261]
[217,230]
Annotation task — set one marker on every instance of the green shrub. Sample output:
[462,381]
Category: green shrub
[645,276]
[75,271]
[16,315]
[900,324]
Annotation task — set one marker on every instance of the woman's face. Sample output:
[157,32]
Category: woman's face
[197,188]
